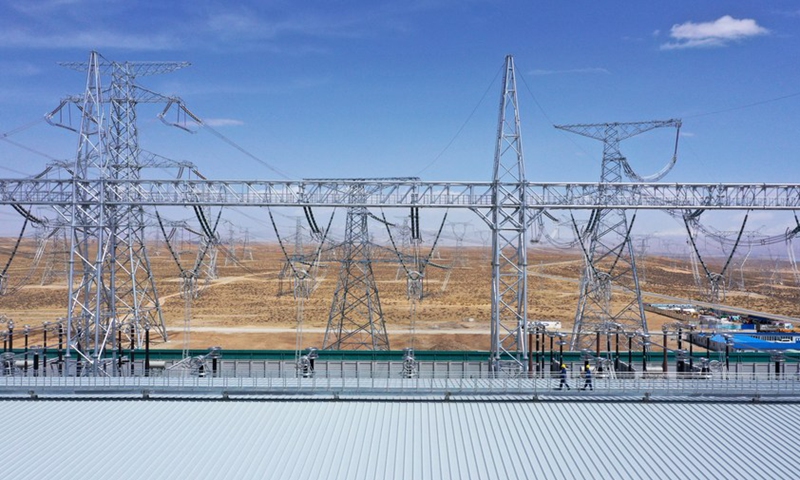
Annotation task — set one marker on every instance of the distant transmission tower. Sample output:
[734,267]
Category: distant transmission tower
[459,232]
[110,280]
[57,258]
[459,257]
[641,254]
[609,257]
[405,244]
[230,252]
[297,256]
[247,248]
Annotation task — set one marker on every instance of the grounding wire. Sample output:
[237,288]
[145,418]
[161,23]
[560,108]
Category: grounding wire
[463,125]
[32,150]
[199,121]
[741,107]
[547,117]
[242,150]
[21,128]
[19,172]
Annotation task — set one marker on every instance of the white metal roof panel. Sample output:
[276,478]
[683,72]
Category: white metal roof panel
[377,439]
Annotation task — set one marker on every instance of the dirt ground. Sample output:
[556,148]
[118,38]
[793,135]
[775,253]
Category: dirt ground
[250,306]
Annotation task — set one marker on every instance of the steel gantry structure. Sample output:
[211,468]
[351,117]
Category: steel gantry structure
[508,204]
[419,194]
[410,193]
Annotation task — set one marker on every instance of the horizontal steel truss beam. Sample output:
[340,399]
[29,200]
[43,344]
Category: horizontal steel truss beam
[238,193]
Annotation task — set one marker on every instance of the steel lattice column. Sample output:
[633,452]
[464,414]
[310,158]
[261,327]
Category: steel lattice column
[508,221]
[86,314]
[131,278]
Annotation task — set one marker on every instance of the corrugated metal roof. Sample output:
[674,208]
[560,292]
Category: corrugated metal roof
[404,440]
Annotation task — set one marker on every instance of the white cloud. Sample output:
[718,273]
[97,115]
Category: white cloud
[87,40]
[19,69]
[222,122]
[46,7]
[718,33]
[571,71]
[279,26]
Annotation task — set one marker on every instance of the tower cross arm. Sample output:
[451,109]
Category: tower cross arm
[600,131]
[134,69]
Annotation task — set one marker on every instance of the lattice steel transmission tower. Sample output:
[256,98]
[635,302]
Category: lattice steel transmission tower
[610,296]
[508,220]
[110,282]
[459,230]
[356,318]
[230,249]
[57,254]
[406,243]
[297,256]
[247,248]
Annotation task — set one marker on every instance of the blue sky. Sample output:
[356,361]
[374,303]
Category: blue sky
[383,89]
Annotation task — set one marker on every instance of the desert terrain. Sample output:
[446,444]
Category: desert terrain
[250,305]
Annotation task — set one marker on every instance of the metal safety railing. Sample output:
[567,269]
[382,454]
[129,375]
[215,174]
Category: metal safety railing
[696,384]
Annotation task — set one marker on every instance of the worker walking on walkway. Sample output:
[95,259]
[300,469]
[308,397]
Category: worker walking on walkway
[563,376]
[587,375]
